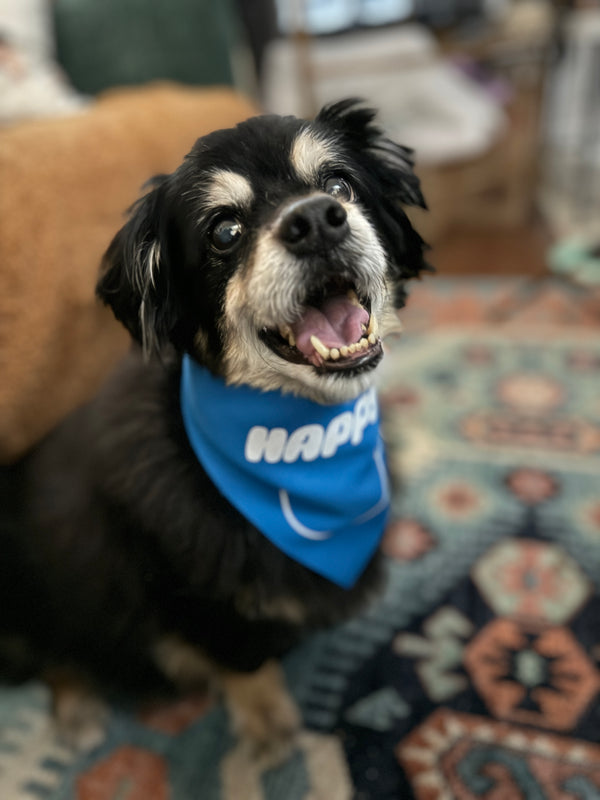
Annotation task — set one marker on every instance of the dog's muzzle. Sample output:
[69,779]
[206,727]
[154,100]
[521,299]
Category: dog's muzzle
[335,331]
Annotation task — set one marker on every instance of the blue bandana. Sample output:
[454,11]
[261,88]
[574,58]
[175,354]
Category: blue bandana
[310,477]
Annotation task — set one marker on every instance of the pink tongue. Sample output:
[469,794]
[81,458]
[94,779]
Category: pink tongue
[337,323]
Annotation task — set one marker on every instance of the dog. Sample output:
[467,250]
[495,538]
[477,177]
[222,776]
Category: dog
[267,268]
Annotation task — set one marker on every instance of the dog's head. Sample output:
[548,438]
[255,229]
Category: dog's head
[275,254]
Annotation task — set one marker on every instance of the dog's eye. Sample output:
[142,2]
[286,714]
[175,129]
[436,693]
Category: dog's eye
[339,188]
[226,233]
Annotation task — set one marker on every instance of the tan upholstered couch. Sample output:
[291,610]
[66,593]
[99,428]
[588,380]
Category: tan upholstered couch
[64,187]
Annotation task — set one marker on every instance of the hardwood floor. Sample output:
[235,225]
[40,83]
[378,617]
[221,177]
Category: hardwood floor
[514,251]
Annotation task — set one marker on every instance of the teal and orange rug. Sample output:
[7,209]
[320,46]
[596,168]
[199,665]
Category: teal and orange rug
[477,675]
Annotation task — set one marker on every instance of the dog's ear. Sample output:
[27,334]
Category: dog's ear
[395,163]
[389,168]
[134,273]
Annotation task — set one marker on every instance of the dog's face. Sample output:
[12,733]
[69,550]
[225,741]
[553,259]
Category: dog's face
[275,254]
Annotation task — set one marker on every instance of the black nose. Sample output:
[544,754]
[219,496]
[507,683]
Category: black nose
[311,224]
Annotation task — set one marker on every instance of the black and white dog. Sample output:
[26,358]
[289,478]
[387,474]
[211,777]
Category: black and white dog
[267,267]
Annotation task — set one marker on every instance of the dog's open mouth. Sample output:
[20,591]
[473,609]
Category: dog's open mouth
[335,332]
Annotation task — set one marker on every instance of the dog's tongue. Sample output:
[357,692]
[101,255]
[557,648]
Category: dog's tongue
[336,323]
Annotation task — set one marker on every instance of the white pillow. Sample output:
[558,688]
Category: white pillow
[31,83]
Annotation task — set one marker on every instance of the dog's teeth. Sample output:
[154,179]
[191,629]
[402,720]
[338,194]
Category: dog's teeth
[344,352]
[353,297]
[363,344]
[364,328]
[334,353]
[323,351]
[352,348]
[373,327]
[372,338]
[286,333]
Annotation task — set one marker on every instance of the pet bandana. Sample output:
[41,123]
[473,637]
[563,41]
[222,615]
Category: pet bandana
[310,477]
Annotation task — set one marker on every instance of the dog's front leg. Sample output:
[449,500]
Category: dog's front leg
[80,714]
[263,713]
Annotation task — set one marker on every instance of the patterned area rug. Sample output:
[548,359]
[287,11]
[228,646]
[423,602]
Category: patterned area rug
[476,676]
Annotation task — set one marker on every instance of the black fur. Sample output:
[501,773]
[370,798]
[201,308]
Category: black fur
[114,535]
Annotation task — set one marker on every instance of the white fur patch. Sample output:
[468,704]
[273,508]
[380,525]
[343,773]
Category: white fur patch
[229,188]
[153,262]
[309,155]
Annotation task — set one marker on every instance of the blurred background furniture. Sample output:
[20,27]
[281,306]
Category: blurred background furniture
[131,42]
[460,83]
[570,194]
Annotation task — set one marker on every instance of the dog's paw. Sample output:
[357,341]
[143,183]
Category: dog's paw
[263,713]
[80,718]
[184,664]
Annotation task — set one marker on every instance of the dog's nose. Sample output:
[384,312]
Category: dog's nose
[313,223]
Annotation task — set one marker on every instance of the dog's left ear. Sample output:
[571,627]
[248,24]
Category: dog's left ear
[389,170]
[134,274]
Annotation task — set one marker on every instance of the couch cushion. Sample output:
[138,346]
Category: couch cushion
[64,186]
[126,42]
